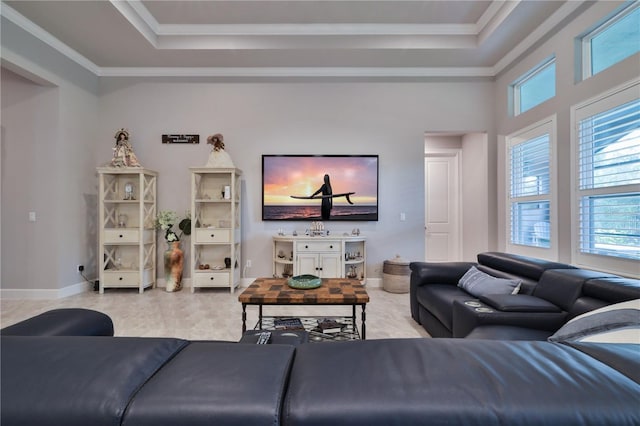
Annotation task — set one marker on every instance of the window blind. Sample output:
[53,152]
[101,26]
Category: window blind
[530,223]
[610,225]
[609,147]
[529,189]
[530,167]
[609,172]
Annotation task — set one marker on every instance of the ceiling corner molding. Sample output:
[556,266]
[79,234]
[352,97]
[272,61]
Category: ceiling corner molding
[296,72]
[12,15]
[547,26]
[139,17]
[313,29]
[26,68]
[499,15]
[488,15]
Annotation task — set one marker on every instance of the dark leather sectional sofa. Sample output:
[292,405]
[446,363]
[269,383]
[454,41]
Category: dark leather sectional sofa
[550,295]
[55,375]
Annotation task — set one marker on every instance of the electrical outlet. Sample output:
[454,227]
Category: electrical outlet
[249,263]
[80,268]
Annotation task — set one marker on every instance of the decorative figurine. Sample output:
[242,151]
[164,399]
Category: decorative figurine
[218,158]
[129,188]
[123,155]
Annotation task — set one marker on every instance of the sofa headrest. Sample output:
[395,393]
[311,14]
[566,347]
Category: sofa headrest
[523,266]
[77,380]
[612,289]
[563,286]
[622,357]
[216,383]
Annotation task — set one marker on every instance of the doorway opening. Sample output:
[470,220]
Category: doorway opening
[456,196]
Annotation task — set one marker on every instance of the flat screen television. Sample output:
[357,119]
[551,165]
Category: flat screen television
[320,187]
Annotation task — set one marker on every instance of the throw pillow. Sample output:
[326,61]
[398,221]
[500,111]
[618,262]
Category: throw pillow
[478,283]
[618,323]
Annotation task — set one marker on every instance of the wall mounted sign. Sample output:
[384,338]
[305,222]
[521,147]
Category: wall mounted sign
[180,138]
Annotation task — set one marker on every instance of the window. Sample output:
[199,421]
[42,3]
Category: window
[612,41]
[608,180]
[534,87]
[531,206]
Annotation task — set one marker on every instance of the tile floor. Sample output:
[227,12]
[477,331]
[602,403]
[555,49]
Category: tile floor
[211,314]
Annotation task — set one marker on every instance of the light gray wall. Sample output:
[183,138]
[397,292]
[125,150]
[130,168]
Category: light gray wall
[29,117]
[477,196]
[48,128]
[387,119]
[568,93]
[47,155]
[435,142]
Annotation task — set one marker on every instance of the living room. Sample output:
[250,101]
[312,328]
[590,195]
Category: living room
[554,340]
[59,119]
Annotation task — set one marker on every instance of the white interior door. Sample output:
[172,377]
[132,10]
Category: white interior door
[442,207]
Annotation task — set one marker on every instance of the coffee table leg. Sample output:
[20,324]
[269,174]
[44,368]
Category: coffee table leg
[244,317]
[364,327]
[260,317]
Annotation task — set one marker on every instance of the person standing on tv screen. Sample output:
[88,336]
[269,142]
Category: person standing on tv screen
[327,199]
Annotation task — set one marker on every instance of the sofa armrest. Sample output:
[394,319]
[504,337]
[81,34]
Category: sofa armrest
[472,313]
[424,273]
[63,322]
[518,303]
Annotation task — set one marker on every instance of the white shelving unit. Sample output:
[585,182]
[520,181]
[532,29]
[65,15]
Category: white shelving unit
[215,227]
[127,241]
[326,257]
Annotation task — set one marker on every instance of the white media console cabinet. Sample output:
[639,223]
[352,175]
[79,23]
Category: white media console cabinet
[335,256]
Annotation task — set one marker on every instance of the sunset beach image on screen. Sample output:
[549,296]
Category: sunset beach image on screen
[289,183]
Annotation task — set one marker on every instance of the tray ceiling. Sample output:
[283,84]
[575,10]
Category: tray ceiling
[357,38]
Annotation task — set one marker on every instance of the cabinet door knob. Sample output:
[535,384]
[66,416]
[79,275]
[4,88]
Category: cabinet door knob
[306,246]
[211,278]
[213,235]
[120,235]
[120,278]
[331,246]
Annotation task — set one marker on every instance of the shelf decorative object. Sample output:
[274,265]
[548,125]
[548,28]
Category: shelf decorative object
[173,256]
[173,267]
[218,158]
[123,155]
[304,282]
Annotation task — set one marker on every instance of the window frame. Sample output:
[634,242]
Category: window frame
[536,130]
[585,39]
[515,95]
[605,101]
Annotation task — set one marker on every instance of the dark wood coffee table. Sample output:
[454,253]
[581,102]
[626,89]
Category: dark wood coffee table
[333,291]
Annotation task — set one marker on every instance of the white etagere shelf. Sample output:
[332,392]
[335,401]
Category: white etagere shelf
[126,219]
[215,227]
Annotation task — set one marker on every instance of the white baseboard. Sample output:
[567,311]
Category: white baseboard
[45,293]
[374,282]
[73,289]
